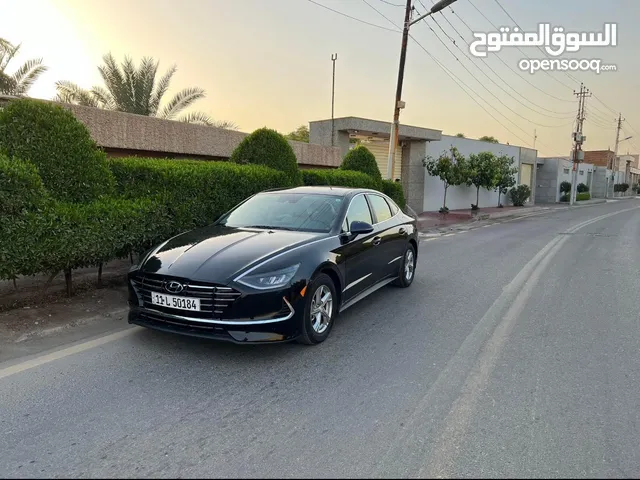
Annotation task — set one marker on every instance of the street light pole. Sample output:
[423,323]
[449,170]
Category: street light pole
[334,57]
[395,127]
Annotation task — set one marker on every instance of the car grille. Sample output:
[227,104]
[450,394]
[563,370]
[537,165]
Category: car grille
[215,300]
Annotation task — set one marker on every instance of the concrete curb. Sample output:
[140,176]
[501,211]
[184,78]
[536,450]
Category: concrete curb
[509,213]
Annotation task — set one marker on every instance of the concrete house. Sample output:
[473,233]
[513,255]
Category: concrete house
[423,192]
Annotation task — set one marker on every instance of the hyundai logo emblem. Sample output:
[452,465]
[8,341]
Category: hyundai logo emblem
[173,287]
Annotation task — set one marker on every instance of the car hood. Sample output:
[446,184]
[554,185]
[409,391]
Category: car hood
[217,253]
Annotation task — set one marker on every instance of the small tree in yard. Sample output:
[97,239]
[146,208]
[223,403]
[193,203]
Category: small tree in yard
[481,173]
[520,194]
[565,187]
[451,168]
[504,171]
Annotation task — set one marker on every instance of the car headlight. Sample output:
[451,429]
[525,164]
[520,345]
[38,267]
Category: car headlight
[268,280]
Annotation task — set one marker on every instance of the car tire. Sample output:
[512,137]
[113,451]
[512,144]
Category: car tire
[318,318]
[407,268]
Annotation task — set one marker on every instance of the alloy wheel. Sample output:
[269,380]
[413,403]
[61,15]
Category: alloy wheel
[409,265]
[321,309]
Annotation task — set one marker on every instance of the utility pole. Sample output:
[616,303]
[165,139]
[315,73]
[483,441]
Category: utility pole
[535,137]
[334,57]
[399,104]
[614,161]
[393,140]
[578,139]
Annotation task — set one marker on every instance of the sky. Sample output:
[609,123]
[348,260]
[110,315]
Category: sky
[268,62]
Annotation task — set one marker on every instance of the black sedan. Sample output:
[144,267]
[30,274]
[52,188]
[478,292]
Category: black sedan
[279,266]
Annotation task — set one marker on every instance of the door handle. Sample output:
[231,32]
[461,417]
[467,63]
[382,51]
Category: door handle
[402,231]
[376,241]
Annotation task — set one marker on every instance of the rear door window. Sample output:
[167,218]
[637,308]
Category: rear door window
[380,208]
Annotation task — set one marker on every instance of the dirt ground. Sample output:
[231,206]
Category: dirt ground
[31,310]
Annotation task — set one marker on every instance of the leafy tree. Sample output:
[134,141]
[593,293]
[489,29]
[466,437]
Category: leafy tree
[489,139]
[481,171]
[20,81]
[565,187]
[300,134]
[460,135]
[135,89]
[450,167]
[582,188]
[269,148]
[504,171]
[360,159]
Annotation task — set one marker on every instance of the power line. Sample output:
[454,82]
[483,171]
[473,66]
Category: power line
[460,83]
[571,77]
[451,75]
[519,74]
[483,86]
[392,4]
[352,18]
[493,81]
[519,49]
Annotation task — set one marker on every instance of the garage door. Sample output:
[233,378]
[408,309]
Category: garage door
[381,151]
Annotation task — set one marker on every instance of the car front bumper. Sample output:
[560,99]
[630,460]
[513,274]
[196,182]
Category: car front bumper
[278,330]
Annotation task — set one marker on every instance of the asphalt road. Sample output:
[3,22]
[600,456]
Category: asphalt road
[516,352]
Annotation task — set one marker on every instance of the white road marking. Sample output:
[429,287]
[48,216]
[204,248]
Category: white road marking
[467,372]
[65,352]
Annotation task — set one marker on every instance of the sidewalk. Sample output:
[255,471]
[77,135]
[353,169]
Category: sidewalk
[428,220]
[434,220]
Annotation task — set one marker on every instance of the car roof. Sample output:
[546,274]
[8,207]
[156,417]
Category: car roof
[324,190]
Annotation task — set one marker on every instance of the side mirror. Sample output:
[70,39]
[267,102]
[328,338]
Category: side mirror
[360,228]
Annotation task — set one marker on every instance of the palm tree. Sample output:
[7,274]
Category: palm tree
[23,78]
[135,90]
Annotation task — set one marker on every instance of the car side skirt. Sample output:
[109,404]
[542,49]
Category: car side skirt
[365,293]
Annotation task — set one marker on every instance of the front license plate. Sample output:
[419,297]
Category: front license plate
[181,303]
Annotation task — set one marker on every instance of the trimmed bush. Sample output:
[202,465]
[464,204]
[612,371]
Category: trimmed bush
[65,236]
[360,159]
[520,194]
[268,148]
[565,198]
[195,192]
[70,165]
[21,188]
[394,191]
[621,187]
[583,196]
[581,188]
[565,187]
[339,178]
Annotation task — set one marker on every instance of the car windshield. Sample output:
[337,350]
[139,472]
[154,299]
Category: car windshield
[286,211]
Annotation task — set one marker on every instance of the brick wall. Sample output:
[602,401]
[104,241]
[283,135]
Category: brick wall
[599,158]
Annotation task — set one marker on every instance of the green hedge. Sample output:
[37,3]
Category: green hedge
[195,193]
[66,236]
[70,165]
[360,159]
[583,196]
[339,178]
[268,148]
[21,188]
[394,191]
